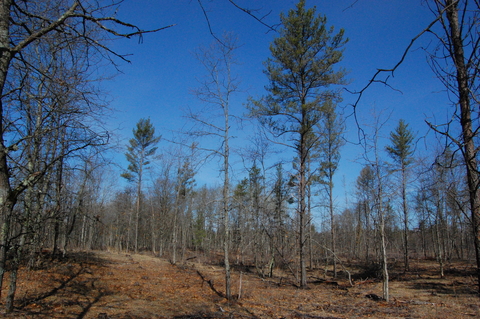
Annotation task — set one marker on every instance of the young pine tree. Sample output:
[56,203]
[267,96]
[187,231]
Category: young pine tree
[141,149]
[401,151]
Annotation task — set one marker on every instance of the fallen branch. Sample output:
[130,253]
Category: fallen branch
[210,284]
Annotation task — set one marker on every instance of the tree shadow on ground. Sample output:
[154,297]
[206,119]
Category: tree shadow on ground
[202,315]
[217,315]
[448,288]
[74,280]
[87,306]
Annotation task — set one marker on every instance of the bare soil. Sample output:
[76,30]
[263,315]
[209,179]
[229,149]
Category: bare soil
[111,285]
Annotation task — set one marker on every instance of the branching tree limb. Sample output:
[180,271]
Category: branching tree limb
[250,12]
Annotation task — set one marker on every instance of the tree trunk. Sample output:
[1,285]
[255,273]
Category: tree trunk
[6,214]
[383,242]
[137,207]
[14,273]
[303,156]
[153,230]
[6,203]
[332,223]
[469,149]
[386,294]
[226,194]
[405,219]
[438,241]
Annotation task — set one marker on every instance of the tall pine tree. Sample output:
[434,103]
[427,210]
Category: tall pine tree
[401,151]
[300,72]
[142,147]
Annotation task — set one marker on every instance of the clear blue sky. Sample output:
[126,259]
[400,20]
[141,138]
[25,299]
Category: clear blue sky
[163,71]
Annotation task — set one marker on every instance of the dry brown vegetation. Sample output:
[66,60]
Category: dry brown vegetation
[111,285]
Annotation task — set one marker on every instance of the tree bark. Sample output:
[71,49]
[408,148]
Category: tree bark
[6,203]
[226,196]
[469,149]
[302,209]
[332,223]
[405,218]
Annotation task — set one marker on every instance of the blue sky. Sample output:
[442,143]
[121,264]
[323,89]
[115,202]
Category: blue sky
[163,71]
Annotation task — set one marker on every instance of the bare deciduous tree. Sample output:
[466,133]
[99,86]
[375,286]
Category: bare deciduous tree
[330,131]
[459,41]
[32,37]
[456,62]
[216,91]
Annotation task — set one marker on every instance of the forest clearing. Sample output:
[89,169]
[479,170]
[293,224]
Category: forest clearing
[104,284]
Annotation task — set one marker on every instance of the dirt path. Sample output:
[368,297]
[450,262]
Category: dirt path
[110,285]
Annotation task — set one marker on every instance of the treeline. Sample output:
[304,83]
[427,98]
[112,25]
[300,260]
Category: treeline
[179,220]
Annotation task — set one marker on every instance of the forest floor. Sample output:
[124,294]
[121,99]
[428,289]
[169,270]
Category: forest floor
[110,285]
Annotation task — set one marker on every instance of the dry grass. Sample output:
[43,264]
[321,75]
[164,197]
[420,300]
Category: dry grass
[109,285]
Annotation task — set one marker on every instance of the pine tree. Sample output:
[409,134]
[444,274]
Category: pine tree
[142,147]
[401,151]
[300,72]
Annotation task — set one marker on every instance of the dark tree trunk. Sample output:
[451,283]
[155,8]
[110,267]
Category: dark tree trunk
[469,149]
